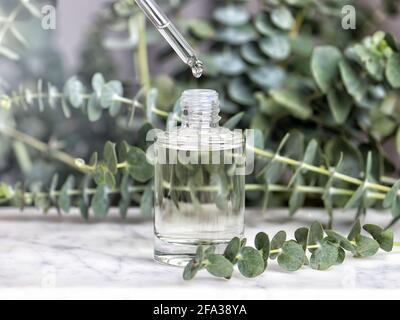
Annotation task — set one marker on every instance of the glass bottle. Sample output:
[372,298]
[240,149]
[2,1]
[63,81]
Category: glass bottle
[199,182]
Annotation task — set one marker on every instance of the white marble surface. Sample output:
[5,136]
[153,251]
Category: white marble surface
[64,257]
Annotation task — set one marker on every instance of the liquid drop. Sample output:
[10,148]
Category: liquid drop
[198,69]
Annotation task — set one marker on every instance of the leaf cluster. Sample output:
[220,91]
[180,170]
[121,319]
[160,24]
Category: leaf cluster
[315,247]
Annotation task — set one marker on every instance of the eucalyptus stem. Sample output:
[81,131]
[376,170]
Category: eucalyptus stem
[41,146]
[143,65]
[321,170]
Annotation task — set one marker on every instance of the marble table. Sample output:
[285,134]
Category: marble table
[64,257]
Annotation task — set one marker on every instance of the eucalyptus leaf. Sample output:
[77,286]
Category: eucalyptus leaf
[100,202]
[393,70]
[366,247]
[385,238]
[282,18]
[232,250]
[324,66]
[219,266]
[231,15]
[251,263]
[292,256]
[276,47]
[293,102]
[64,198]
[324,257]
[139,168]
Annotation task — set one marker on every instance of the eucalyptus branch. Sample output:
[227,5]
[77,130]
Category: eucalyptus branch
[7,26]
[103,96]
[319,248]
[40,146]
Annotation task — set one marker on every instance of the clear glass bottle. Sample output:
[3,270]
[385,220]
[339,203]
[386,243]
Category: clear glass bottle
[199,181]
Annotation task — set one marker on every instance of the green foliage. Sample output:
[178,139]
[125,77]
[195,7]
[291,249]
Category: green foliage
[326,246]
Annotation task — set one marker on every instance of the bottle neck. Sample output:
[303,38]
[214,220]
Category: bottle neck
[200,109]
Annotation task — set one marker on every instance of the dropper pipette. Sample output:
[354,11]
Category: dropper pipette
[172,35]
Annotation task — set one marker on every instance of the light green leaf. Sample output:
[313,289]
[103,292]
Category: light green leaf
[344,242]
[232,15]
[64,198]
[95,110]
[110,157]
[239,92]
[202,29]
[282,18]
[234,121]
[324,257]
[366,247]
[139,168]
[97,84]
[276,47]
[324,66]
[219,266]
[355,230]
[267,77]
[393,70]
[232,250]
[354,86]
[301,236]
[292,256]
[277,242]
[251,263]
[74,91]
[191,270]
[392,195]
[147,201]
[109,95]
[385,238]
[316,234]
[252,54]
[340,105]
[100,201]
[293,102]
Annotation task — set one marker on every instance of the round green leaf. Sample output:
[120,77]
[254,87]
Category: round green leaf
[237,36]
[191,270]
[100,201]
[276,47]
[139,168]
[202,29]
[110,92]
[292,256]
[232,250]
[292,101]
[340,105]
[282,18]
[251,263]
[74,91]
[324,257]
[393,70]
[239,92]
[324,66]
[268,77]
[232,15]
[97,84]
[229,63]
[366,247]
[95,110]
[64,198]
[219,266]
[252,54]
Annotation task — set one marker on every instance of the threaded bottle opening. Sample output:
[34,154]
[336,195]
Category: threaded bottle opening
[200,108]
